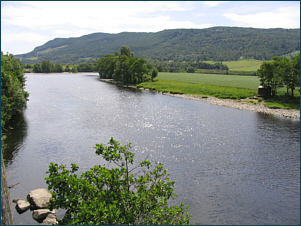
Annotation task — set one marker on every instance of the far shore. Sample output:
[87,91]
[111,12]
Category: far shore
[243,105]
[238,104]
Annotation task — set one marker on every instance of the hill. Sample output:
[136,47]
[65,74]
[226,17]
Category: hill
[215,44]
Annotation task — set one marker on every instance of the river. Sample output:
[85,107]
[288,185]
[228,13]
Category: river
[230,166]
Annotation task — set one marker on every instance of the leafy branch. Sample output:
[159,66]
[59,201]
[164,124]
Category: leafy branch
[128,194]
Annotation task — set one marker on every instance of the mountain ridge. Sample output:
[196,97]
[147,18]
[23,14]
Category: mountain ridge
[215,43]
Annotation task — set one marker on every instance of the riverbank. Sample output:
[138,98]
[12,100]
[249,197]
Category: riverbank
[243,104]
[6,214]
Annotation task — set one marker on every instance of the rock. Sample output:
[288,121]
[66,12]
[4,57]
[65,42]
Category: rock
[41,213]
[39,198]
[15,200]
[50,220]
[22,206]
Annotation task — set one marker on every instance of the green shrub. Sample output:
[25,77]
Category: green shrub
[115,195]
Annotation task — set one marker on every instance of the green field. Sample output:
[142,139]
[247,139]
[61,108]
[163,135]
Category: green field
[241,65]
[245,82]
[221,86]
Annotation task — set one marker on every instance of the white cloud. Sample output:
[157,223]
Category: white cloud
[213,3]
[285,17]
[42,15]
[30,22]
[71,33]
[24,36]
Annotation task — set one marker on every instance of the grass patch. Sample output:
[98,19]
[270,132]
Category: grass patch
[32,58]
[241,65]
[283,102]
[245,82]
[221,86]
[198,89]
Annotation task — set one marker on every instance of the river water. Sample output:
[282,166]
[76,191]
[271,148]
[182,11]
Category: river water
[230,166]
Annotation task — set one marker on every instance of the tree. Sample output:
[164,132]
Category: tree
[123,67]
[13,95]
[125,50]
[67,68]
[190,69]
[115,195]
[154,73]
[268,76]
[57,68]
[106,66]
[74,69]
[295,79]
[46,66]
[37,68]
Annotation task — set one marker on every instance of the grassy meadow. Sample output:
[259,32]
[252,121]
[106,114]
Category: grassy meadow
[245,82]
[220,86]
[242,65]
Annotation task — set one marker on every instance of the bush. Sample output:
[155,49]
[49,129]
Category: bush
[115,195]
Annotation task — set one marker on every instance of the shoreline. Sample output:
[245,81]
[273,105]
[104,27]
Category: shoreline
[243,105]
[238,104]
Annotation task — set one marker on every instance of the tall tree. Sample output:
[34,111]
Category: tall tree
[46,66]
[37,68]
[106,66]
[125,50]
[13,95]
[57,68]
[295,73]
[269,77]
[154,73]
[123,67]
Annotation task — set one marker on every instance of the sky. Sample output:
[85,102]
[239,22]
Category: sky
[28,24]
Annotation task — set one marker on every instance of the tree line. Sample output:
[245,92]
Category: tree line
[47,67]
[279,73]
[187,66]
[13,95]
[125,67]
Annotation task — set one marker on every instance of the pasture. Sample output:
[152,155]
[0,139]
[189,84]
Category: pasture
[221,86]
[241,65]
[237,81]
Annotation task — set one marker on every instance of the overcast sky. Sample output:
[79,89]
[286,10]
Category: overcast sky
[27,24]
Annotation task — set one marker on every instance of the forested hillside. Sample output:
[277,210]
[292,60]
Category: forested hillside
[216,44]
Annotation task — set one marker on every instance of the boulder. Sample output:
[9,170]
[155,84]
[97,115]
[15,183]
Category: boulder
[39,198]
[41,214]
[50,220]
[22,206]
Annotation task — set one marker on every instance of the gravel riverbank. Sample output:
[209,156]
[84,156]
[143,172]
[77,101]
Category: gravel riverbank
[241,104]
[238,104]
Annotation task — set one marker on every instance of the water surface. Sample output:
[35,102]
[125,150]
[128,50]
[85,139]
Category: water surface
[230,166]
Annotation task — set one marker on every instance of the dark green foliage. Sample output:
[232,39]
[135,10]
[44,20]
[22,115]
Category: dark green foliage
[74,69]
[154,73]
[280,72]
[184,66]
[47,67]
[67,68]
[216,44]
[13,96]
[190,69]
[123,67]
[85,67]
[127,194]
[37,68]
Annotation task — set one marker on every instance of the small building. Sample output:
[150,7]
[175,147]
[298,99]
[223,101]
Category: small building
[264,91]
